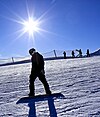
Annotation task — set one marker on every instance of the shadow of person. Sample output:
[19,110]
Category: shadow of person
[32,109]
[31,104]
[52,109]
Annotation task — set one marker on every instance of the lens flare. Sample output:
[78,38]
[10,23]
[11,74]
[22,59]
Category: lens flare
[28,24]
[31,26]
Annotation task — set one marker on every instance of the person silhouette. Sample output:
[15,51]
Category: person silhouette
[88,54]
[64,54]
[37,70]
[80,52]
[73,53]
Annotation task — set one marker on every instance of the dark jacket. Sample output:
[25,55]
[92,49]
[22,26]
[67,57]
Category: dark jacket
[37,62]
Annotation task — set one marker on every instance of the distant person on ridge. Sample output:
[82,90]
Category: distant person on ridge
[88,54]
[37,70]
[80,52]
[73,54]
[64,54]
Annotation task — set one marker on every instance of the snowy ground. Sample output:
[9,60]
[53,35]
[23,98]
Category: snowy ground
[77,79]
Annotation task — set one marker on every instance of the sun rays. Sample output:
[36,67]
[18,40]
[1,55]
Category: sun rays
[29,25]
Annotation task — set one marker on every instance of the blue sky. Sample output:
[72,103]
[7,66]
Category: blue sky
[65,24]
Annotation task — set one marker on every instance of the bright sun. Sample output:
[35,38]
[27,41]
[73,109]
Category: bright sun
[31,26]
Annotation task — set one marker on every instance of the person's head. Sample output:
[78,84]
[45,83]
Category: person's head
[31,51]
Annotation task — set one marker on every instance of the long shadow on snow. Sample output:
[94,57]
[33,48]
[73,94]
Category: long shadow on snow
[31,103]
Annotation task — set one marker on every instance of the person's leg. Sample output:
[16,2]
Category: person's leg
[43,80]
[31,85]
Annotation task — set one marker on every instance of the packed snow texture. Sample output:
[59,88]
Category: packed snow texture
[77,79]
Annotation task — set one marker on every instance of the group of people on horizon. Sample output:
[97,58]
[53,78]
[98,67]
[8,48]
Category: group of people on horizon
[79,55]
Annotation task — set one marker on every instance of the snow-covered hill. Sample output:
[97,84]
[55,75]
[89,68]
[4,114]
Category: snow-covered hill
[77,79]
[96,53]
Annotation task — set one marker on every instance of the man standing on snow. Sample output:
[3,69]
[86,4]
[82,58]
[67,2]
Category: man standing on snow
[64,54]
[88,54]
[37,70]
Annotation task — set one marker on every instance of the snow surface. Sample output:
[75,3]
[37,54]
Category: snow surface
[77,79]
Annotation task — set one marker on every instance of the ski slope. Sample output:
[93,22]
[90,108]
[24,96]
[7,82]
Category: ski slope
[77,79]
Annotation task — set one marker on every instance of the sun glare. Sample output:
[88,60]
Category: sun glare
[31,26]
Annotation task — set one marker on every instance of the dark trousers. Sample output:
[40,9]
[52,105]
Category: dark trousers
[42,78]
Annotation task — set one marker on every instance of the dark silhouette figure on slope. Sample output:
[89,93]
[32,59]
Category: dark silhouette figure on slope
[88,54]
[73,54]
[80,52]
[64,54]
[37,70]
